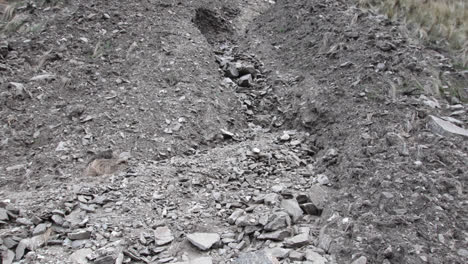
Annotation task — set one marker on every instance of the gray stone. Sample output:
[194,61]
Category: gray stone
[360,260]
[245,81]
[7,257]
[79,256]
[315,257]
[231,71]
[276,235]
[271,199]
[296,256]
[105,260]
[302,199]
[236,214]
[163,236]
[292,208]
[203,241]
[297,241]
[277,221]
[323,179]
[79,235]
[24,221]
[3,215]
[311,209]
[40,229]
[319,196]
[257,257]
[324,242]
[9,242]
[58,219]
[277,252]
[445,128]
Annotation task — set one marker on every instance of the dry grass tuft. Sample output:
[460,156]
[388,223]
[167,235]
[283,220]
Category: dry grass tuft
[432,20]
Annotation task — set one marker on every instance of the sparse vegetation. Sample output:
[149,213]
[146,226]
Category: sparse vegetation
[436,21]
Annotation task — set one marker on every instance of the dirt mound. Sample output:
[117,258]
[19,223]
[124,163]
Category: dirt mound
[134,77]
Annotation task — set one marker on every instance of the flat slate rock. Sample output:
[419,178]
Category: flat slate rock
[203,241]
[445,128]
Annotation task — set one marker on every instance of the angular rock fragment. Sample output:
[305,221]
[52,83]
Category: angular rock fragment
[296,256]
[276,235]
[163,236]
[277,221]
[271,199]
[278,252]
[79,256]
[256,257]
[40,229]
[445,128]
[231,71]
[203,241]
[315,257]
[79,235]
[3,215]
[245,81]
[7,256]
[297,241]
[360,260]
[311,209]
[236,214]
[292,208]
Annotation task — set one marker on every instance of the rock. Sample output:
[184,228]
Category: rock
[247,69]
[245,81]
[9,242]
[324,242]
[104,260]
[360,260]
[203,241]
[235,215]
[231,71]
[323,179]
[79,256]
[445,128]
[318,195]
[43,77]
[292,208]
[24,221]
[3,215]
[296,256]
[310,209]
[7,256]
[276,235]
[285,137]
[271,199]
[278,252]
[315,257]
[257,257]
[79,235]
[302,199]
[163,236]
[277,221]
[297,241]
[277,188]
[40,229]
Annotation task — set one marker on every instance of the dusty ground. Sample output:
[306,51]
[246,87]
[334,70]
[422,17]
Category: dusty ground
[336,117]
